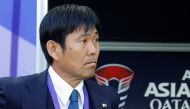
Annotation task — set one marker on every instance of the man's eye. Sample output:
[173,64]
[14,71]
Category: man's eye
[83,41]
[97,39]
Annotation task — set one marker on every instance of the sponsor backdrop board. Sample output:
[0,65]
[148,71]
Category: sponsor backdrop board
[147,80]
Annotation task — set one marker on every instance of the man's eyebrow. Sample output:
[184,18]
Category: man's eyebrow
[88,33]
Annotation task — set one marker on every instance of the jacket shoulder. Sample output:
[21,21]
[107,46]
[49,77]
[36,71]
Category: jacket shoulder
[12,89]
[14,81]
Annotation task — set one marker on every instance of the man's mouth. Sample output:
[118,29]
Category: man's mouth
[91,64]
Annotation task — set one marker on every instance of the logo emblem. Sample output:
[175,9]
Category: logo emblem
[117,76]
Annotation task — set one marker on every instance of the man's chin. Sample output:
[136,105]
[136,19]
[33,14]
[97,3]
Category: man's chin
[89,74]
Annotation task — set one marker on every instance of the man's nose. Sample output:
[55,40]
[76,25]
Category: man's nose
[92,48]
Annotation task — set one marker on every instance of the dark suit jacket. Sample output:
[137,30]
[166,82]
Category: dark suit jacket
[31,92]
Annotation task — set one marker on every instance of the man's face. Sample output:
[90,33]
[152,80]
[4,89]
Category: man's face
[79,57]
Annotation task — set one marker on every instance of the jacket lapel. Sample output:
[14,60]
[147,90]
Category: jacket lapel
[36,98]
[96,100]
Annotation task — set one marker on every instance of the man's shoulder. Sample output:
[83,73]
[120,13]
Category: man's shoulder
[103,89]
[20,80]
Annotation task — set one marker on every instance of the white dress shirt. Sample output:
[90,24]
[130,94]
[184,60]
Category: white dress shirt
[63,90]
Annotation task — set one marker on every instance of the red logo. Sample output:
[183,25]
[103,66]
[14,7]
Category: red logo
[117,76]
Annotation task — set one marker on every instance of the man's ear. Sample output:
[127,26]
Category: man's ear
[52,48]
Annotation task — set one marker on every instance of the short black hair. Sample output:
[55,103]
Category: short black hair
[62,20]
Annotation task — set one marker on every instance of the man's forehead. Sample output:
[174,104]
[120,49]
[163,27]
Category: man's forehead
[87,31]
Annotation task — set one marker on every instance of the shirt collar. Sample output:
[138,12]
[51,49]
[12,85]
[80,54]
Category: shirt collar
[63,89]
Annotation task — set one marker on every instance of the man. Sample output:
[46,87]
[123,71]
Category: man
[69,37]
